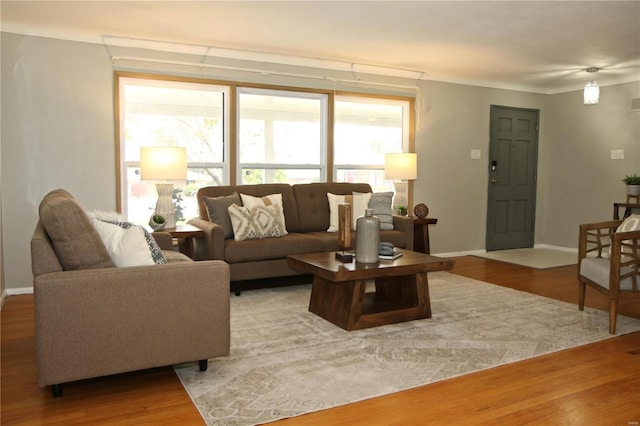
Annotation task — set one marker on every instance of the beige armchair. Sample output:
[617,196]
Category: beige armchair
[95,319]
[608,262]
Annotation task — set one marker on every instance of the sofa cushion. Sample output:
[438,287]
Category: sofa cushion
[218,211]
[271,248]
[359,202]
[257,222]
[313,205]
[128,244]
[75,241]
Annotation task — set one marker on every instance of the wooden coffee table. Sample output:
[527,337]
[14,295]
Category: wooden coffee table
[338,293]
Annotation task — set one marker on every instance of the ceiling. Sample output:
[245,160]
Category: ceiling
[541,47]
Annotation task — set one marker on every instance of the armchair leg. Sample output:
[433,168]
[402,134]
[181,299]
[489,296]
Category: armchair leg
[613,315]
[582,288]
[56,390]
[203,364]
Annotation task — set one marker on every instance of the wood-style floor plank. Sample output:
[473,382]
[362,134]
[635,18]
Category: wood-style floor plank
[597,384]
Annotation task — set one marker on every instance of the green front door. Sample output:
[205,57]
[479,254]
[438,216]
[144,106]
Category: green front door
[513,153]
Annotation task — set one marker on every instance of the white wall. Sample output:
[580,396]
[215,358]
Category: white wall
[58,132]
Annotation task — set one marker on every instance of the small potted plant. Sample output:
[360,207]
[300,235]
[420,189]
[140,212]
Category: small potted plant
[633,184]
[402,210]
[157,222]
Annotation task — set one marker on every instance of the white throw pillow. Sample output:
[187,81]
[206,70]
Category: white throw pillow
[381,204]
[256,222]
[359,203]
[128,244]
[272,199]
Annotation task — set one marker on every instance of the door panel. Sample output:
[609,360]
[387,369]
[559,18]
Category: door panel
[513,152]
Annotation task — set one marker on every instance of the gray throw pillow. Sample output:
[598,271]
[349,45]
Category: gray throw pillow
[380,202]
[218,211]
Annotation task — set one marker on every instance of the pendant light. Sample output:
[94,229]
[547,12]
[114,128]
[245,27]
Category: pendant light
[591,89]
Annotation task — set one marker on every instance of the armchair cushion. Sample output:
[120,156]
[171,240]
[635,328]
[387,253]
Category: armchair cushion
[75,241]
[598,270]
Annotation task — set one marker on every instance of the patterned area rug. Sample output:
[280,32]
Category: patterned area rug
[286,361]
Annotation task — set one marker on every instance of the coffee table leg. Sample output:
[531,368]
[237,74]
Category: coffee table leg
[338,303]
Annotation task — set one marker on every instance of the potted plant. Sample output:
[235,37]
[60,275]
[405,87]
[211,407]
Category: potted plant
[633,184]
[402,210]
[157,222]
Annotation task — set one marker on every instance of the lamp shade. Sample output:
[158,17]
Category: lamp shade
[163,163]
[403,166]
[591,93]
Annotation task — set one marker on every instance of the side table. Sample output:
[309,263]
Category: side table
[185,235]
[421,234]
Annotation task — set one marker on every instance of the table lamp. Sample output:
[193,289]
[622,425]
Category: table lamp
[164,163]
[401,167]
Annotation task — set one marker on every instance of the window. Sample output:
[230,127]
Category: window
[160,112]
[365,130]
[282,136]
[278,136]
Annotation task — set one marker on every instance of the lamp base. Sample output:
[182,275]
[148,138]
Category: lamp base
[164,206]
[401,196]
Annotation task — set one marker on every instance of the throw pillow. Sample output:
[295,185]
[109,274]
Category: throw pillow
[267,200]
[218,211]
[359,202]
[128,244]
[381,204]
[256,222]
[631,223]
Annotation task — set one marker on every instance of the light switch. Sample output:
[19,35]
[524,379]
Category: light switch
[617,154]
[476,154]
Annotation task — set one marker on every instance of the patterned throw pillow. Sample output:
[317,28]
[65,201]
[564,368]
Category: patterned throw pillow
[268,200]
[359,202]
[256,222]
[381,203]
[128,244]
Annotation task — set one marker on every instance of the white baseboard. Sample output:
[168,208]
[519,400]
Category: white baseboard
[17,291]
[3,297]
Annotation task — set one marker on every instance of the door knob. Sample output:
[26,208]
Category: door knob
[494,181]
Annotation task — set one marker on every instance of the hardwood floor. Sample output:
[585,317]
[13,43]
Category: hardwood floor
[597,384]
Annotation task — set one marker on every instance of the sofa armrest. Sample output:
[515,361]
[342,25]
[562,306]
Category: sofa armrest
[211,246]
[405,225]
[163,239]
[97,322]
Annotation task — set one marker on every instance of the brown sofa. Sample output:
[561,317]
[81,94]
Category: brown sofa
[95,319]
[306,212]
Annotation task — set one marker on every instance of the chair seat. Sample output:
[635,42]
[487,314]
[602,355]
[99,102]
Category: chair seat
[597,270]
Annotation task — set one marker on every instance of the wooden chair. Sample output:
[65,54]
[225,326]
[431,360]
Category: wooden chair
[629,209]
[608,262]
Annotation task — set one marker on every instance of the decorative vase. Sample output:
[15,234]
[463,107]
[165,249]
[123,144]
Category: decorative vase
[367,237]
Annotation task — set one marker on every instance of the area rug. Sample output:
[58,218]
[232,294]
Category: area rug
[539,258]
[286,361]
